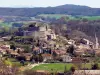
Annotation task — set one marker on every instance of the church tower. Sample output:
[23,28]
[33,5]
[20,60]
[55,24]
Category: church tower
[97,42]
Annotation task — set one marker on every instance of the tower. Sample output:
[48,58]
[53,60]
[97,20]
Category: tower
[97,43]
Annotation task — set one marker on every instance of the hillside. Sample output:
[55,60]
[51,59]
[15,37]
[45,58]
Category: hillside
[63,9]
[72,6]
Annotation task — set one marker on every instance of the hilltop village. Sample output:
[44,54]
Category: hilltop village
[38,42]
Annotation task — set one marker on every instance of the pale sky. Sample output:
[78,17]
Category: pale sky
[46,3]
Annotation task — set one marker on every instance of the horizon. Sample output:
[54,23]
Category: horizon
[40,7]
[47,3]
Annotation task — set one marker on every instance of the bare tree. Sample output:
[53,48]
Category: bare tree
[7,70]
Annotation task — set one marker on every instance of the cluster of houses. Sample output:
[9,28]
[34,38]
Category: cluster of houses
[50,53]
[5,50]
[47,53]
[87,48]
[50,49]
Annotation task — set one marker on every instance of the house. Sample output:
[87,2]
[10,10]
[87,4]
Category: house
[27,56]
[52,44]
[42,72]
[13,53]
[76,60]
[79,52]
[97,52]
[6,38]
[4,48]
[18,49]
[66,58]
[71,42]
[46,57]
[37,50]
[58,52]
[81,46]
[87,72]
[46,51]
[3,51]
[1,39]
[90,52]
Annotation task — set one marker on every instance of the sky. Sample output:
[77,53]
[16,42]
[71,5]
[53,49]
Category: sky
[46,3]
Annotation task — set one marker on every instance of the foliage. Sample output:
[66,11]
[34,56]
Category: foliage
[37,58]
[7,70]
[71,49]
[95,67]
[27,49]
[17,25]
[12,47]
[72,69]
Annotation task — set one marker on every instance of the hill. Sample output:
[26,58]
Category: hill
[63,9]
[72,6]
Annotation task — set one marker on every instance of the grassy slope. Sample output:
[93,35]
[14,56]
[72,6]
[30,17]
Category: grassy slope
[55,66]
[59,67]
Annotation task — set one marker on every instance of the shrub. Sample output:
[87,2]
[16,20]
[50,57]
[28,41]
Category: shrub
[95,67]
[72,69]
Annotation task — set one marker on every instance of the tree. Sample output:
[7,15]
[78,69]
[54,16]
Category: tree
[17,24]
[20,58]
[7,70]
[22,62]
[40,58]
[37,58]
[85,20]
[71,49]
[65,69]
[72,69]
[12,47]
[95,67]
[27,49]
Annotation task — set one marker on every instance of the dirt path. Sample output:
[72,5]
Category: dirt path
[30,66]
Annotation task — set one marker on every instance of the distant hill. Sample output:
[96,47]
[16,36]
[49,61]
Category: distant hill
[63,9]
[71,6]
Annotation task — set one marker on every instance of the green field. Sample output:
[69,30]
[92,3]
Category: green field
[92,17]
[57,16]
[60,67]
[57,67]
[6,26]
[69,17]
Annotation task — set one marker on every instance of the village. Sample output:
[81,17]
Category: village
[39,42]
[50,46]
